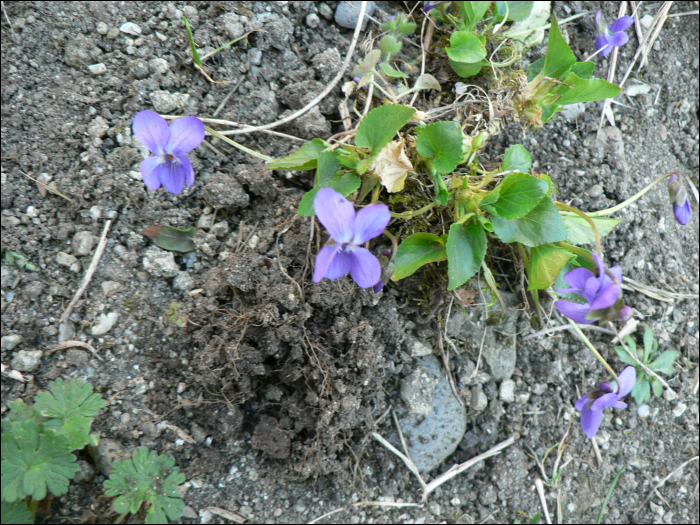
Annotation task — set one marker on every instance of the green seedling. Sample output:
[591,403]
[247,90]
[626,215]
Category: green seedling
[535,519]
[20,260]
[195,54]
[37,442]
[662,364]
[173,317]
[146,477]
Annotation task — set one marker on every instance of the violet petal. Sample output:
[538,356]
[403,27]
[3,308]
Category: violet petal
[628,377]
[370,223]
[574,311]
[152,131]
[336,213]
[621,24]
[618,39]
[604,401]
[172,176]
[577,278]
[323,261]
[590,422]
[606,297]
[186,133]
[150,172]
[582,403]
[366,269]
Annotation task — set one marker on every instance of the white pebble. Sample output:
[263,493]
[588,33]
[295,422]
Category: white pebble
[98,69]
[680,408]
[130,29]
[105,323]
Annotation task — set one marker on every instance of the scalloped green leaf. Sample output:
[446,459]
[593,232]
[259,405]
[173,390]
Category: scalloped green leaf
[468,70]
[441,142]
[147,477]
[517,158]
[664,363]
[516,11]
[466,248]
[587,90]
[541,226]
[465,47]
[473,12]
[648,343]
[578,231]
[381,125]
[390,71]
[16,512]
[33,462]
[546,262]
[415,251]
[302,159]
[515,197]
[70,408]
[640,392]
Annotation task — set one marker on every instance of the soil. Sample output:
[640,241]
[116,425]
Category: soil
[267,392]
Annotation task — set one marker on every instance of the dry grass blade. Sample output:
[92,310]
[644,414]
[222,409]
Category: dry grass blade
[232,516]
[89,274]
[394,504]
[70,344]
[656,293]
[182,434]
[540,492]
[458,469]
[46,187]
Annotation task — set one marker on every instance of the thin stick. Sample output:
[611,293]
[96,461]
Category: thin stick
[422,51]
[662,482]
[562,327]
[598,457]
[687,13]
[540,492]
[232,123]
[70,344]
[446,362]
[407,461]
[88,275]
[7,18]
[458,469]
[233,90]
[637,23]
[325,92]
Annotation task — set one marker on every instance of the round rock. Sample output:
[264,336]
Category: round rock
[104,324]
[434,436]
[347,13]
[160,263]
[27,360]
[83,242]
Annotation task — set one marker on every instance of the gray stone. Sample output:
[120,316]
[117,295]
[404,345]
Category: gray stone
[254,56]
[183,281]
[86,472]
[8,342]
[220,229]
[139,69]
[595,191]
[680,409]
[507,391]
[66,331]
[112,33]
[643,410]
[130,29]
[232,25]
[418,390]
[97,69]
[83,242]
[325,11]
[106,453]
[160,263]
[500,342]
[166,102]
[433,437]
[101,28]
[27,360]
[110,287]
[310,125]
[279,33]
[158,65]
[104,324]
[312,20]
[487,495]
[415,348]
[347,14]
[97,128]
[479,400]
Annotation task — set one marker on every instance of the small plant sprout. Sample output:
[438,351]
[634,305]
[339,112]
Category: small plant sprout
[607,37]
[349,230]
[171,167]
[606,395]
[663,363]
[146,477]
[37,442]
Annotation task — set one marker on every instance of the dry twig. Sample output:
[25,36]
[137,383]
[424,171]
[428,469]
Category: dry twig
[89,274]
[70,344]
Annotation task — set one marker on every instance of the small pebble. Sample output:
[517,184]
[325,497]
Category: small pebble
[595,191]
[112,33]
[643,410]
[97,69]
[312,20]
[101,28]
[130,29]
[680,409]
[455,502]
[66,331]
[507,391]
[8,342]
[347,13]
[83,242]
[95,212]
[110,287]
[27,360]
[104,324]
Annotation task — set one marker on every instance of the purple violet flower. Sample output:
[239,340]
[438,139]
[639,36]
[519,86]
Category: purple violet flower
[429,6]
[605,395]
[171,166]
[602,295]
[607,37]
[679,198]
[344,253]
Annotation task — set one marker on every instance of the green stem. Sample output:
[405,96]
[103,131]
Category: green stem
[491,282]
[375,193]
[575,249]
[414,213]
[624,204]
[237,145]
[533,293]
[592,348]
[610,491]
[578,212]
[510,61]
